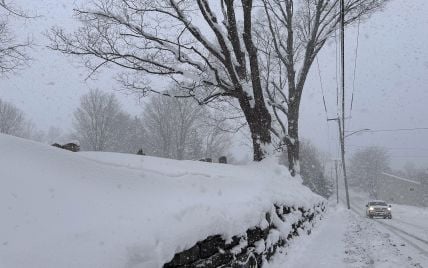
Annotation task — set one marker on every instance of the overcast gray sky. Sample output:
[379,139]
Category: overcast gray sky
[391,79]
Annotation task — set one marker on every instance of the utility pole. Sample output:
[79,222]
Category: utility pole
[342,147]
[337,182]
[342,120]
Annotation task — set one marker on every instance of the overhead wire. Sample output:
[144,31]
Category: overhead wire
[322,88]
[336,71]
[398,129]
[355,67]
[325,105]
[392,148]
[337,80]
[403,151]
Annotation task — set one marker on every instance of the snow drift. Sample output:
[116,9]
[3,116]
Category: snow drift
[64,209]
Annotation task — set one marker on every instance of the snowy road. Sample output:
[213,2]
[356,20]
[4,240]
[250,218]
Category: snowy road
[409,223]
[346,238]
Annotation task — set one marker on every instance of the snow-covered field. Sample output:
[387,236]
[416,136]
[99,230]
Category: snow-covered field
[64,209]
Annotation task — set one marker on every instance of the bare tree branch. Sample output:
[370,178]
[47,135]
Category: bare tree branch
[206,52]
[299,30]
[13,54]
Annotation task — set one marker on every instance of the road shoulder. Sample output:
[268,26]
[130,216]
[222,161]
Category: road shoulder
[345,239]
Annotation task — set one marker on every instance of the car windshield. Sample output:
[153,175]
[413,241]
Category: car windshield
[377,204]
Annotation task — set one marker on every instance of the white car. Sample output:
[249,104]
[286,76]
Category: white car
[378,208]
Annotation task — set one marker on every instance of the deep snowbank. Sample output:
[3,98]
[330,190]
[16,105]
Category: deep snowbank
[64,209]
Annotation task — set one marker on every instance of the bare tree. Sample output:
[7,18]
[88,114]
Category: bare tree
[14,122]
[215,138]
[12,51]
[12,119]
[54,135]
[366,167]
[291,36]
[181,129]
[312,168]
[207,50]
[129,134]
[410,170]
[31,132]
[95,120]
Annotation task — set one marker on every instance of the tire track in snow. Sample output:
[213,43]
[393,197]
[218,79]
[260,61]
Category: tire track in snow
[400,233]
[404,232]
[406,239]
[425,229]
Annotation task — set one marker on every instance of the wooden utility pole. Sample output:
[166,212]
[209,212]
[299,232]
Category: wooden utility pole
[342,119]
[337,182]
[342,147]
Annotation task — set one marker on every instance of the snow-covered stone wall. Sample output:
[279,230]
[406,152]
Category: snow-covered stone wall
[257,245]
[65,209]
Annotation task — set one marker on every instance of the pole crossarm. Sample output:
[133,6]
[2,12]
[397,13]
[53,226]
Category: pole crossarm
[357,131]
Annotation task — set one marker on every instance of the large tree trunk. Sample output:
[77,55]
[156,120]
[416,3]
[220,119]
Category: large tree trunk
[260,133]
[293,144]
[257,115]
[259,122]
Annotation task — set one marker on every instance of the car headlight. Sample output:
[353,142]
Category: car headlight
[371,208]
[389,209]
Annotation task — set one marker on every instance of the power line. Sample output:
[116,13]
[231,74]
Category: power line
[398,129]
[322,88]
[390,148]
[391,129]
[356,148]
[409,156]
[406,156]
[355,67]
[337,80]
[336,76]
[325,106]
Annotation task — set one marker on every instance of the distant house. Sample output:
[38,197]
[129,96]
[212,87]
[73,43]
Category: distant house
[57,145]
[222,160]
[70,146]
[407,191]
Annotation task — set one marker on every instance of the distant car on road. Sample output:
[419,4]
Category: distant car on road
[378,208]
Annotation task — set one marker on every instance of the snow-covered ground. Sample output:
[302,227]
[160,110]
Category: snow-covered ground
[346,238]
[64,209]
[409,223]
[411,219]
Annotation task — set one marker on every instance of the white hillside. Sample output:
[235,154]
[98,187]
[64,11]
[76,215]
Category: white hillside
[64,209]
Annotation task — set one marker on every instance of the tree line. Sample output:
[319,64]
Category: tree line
[367,165]
[168,127]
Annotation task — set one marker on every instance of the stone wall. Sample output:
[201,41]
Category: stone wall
[279,226]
